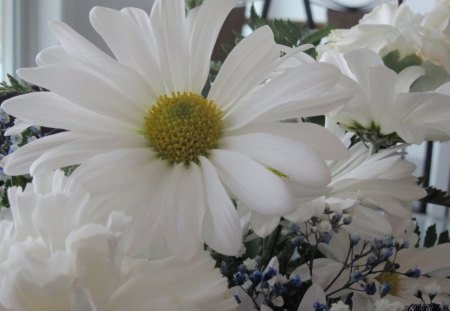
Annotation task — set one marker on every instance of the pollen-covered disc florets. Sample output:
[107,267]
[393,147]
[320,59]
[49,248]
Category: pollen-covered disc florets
[183,126]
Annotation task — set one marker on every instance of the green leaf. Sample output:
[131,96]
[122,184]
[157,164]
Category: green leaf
[190,4]
[289,33]
[437,196]
[392,60]
[443,237]
[430,236]
[13,88]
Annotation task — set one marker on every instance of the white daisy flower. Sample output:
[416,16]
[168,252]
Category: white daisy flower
[383,107]
[56,256]
[391,28]
[144,134]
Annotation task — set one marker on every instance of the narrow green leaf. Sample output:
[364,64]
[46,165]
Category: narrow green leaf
[443,237]
[430,236]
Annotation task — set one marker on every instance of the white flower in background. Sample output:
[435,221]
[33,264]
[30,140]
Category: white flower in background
[402,37]
[383,106]
[382,180]
[56,256]
[145,136]
[361,186]
[386,305]
[339,306]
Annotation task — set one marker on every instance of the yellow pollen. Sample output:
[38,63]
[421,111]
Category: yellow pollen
[393,279]
[182,127]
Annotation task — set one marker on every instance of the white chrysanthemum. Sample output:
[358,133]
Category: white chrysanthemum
[53,257]
[143,133]
[390,27]
[360,186]
[383,106]
[339,306]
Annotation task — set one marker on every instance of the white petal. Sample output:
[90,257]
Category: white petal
[53,55]
[310,106]
[260,189]
[313,295]
[128,43]
[407,77]
[85,89]
[296,84]
[185,211]
[50,110]
[427,260]
[19,162]
[369,223]
[208,22]
[168,19]
[291,158]
[92,58]
[80,150]
[244,68]
[263,225]
[221,227]
[321,140]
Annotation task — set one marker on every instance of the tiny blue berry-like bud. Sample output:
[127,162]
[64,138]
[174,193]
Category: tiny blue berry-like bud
[418,294]
[370,288]
[413,273]
[325,237]
[336,217]
[279,289]
[384,289]
[256,277]
[347,220]
[296,281]
[297,241]
[377,243]
[242,268]
[388,241]
[270,273]
[293,227]
[320,307]
[385,253]
[239,278]
[372,260]
[355,238]
[356,276]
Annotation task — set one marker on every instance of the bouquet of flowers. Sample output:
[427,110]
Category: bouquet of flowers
[140,181]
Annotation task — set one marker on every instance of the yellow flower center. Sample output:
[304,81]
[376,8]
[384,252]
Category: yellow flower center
[393,279]
[182,127]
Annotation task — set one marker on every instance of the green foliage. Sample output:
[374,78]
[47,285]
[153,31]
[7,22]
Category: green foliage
[190,4]
[443,237]
[430,236]
[432,239]
[289,33]
[436,196]
[392,60]
[13,88]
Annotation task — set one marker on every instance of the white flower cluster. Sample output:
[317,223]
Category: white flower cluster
[175,196]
